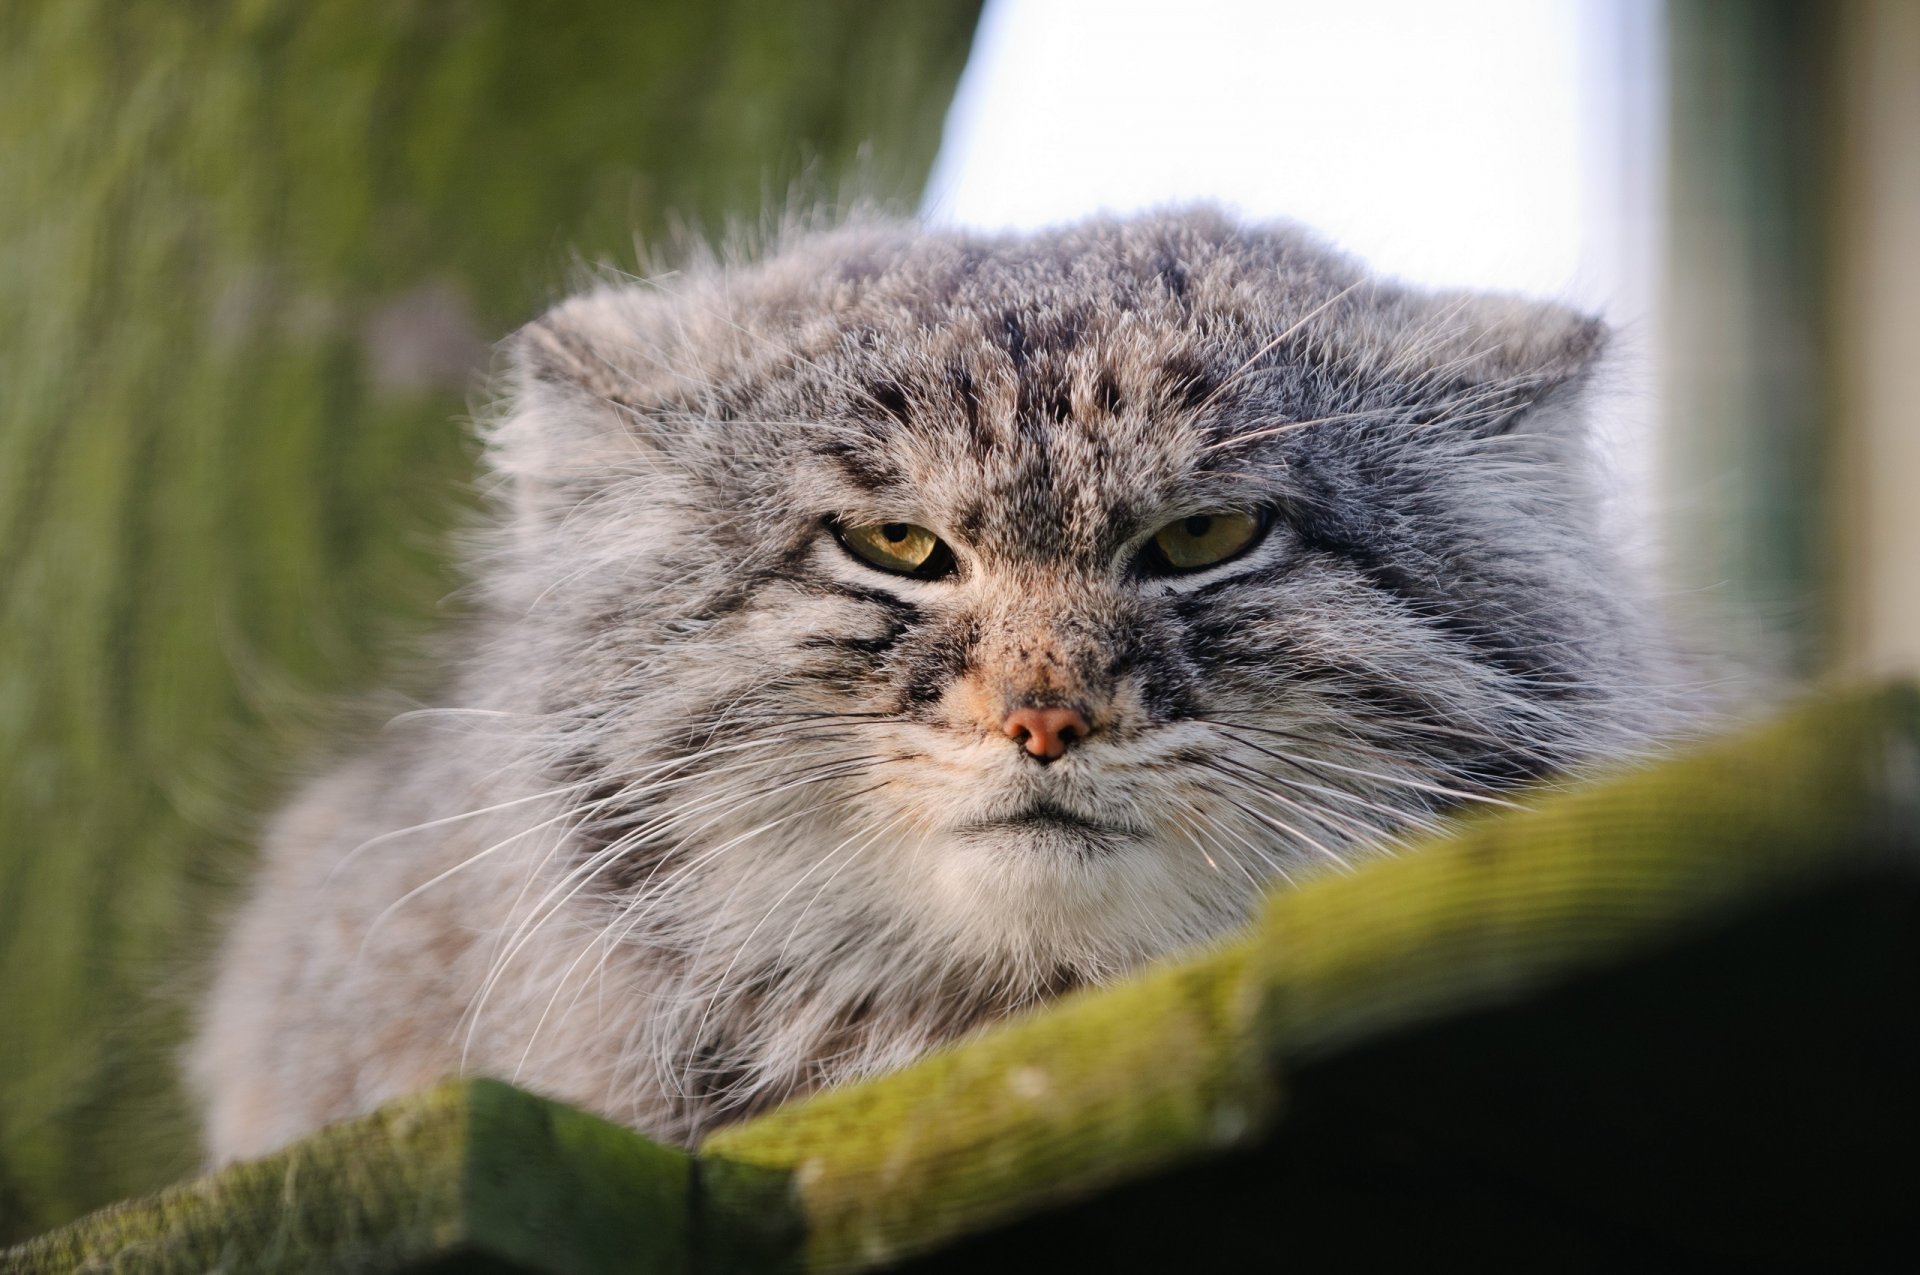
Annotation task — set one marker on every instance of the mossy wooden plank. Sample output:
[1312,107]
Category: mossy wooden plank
[1737,1099]
[1102,1089]
[1185,1061]
[1590,873]
[470,1171]
[1176,1068]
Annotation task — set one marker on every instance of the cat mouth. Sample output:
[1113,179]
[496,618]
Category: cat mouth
[1046,823]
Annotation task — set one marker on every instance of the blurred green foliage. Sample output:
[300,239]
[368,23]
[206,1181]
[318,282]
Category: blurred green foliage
[250,253]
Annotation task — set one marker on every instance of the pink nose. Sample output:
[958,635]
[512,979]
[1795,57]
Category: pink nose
[1046,732]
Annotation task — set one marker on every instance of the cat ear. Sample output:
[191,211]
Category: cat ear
[585,399]
[1496,364]
[587,391]
[584,348]
[581,382]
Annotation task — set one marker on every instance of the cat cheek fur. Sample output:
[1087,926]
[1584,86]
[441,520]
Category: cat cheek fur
[718,813]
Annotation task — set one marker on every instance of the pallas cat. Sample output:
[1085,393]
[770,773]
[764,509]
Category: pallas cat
[901,627]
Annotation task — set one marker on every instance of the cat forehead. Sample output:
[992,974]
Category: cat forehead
[899,302]
[1080,309]
[1067,438]
[1020,395]
[1013,417]
[1081,376]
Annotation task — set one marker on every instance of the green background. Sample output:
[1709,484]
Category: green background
[253,255]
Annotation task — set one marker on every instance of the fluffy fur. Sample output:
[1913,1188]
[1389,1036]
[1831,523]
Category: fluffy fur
[725,813]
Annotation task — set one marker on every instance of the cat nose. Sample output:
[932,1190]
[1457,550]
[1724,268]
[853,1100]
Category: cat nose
[1046,732]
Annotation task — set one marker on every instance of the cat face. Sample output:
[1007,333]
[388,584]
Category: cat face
[1045,599]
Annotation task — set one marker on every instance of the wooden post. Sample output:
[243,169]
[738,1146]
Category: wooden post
[1793,313]
[1747,359]
[1875,485]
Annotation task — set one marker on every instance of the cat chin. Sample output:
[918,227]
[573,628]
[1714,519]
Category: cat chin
[1110,895]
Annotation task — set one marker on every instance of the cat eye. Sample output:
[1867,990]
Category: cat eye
[899,547]
[1201,541]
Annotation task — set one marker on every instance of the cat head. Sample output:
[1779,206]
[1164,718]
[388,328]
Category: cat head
[1045,597]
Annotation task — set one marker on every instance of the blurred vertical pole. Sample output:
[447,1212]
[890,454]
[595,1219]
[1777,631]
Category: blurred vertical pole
[1875,484]
[1747,360]
[252,254]
[1793,314]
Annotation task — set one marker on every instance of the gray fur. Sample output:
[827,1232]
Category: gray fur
[725,814]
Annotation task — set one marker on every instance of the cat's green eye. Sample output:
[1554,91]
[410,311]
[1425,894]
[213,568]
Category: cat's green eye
[1203,540]
[899,547]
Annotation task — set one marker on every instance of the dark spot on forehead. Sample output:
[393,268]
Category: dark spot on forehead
[1187,382]
[971,517]
[1172,275]
[1030,335]
[1043,397]
[863,462]
[1106,393]
[891,398]
[960,381]
[1013,339]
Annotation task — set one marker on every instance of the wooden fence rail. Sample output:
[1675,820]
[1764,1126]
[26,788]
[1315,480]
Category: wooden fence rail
[1663,1019]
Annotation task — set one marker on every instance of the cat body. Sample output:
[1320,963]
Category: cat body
[902,628]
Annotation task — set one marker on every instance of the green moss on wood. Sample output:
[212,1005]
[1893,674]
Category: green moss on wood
[470,1169]
[1101,1090]
[1174,1067]
[1584,876]
[1181,1062]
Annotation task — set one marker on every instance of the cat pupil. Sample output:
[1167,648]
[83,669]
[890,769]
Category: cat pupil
[1198,526]
[895,532]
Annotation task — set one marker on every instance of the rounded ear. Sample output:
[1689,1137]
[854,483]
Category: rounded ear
[590,347]
[1490,362]
[583,403]
[585,387]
